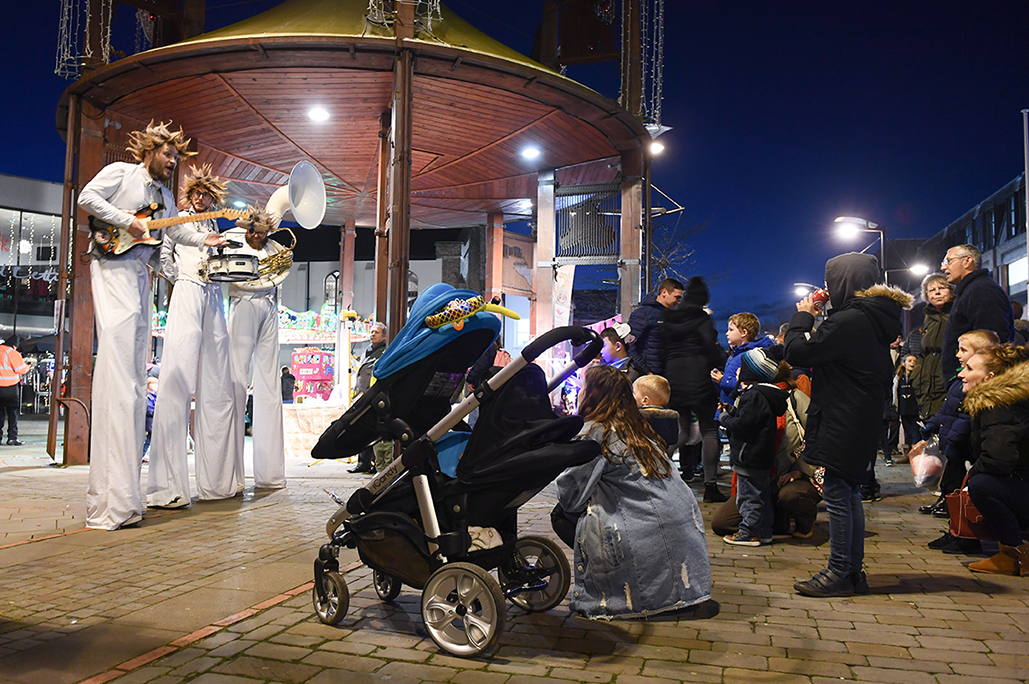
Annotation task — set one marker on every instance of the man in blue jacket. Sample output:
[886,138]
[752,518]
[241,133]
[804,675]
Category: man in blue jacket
[645,325]
[979,304]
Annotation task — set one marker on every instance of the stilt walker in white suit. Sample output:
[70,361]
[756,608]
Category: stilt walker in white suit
[121,300]
[194,363]
[254,336]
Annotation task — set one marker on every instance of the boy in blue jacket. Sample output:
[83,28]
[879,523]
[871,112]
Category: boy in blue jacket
[752,442]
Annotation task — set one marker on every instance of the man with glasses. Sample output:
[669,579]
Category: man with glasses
[979,303]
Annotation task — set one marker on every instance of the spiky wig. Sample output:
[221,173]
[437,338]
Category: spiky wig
[154,137]
[201,180]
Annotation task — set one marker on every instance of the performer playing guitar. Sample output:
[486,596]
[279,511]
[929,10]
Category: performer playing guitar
[121,300]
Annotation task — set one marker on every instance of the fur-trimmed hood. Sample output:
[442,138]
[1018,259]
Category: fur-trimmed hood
[1009,388]
[895,293]
[659,412]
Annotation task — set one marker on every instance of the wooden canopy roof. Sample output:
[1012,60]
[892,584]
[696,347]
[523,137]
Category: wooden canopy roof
[243,94]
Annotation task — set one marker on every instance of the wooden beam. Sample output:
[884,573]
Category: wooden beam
[382,222]
[80,362]
[630,233]
[494,255]
[400,187]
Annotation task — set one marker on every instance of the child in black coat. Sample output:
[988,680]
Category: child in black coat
[651,393]
[752,443]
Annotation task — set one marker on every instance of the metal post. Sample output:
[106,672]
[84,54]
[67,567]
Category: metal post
[1025,180]
[882,251]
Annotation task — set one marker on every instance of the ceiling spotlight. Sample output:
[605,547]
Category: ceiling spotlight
[531,152]
[919,269]
[239,203]
[656,147]
[317,114]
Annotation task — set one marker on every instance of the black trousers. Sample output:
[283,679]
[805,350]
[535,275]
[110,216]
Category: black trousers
[10,403]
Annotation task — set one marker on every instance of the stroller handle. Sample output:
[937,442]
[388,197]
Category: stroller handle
[570,333]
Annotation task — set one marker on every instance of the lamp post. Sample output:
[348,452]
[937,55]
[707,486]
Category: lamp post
[850,226]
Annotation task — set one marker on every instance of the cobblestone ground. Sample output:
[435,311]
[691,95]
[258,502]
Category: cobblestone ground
[220,594]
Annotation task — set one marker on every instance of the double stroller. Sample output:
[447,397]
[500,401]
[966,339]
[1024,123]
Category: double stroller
[443,514]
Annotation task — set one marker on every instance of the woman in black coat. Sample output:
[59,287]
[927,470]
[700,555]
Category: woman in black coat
[996,381]
[689,346]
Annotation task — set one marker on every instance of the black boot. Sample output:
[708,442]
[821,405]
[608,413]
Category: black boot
[928,508]
[712,494]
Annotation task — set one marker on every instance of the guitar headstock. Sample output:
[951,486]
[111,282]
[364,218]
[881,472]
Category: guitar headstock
[233,213]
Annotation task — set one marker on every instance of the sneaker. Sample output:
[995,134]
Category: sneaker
[871,493]
[888,460]
[940,510]
[738,539]
[15,442]
[860,582]
[765,541]
[825,584]
[941,541]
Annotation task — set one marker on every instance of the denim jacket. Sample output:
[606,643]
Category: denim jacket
[640,547]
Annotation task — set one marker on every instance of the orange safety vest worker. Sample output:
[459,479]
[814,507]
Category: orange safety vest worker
[12,366]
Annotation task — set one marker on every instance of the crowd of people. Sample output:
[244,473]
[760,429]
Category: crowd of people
[802,415]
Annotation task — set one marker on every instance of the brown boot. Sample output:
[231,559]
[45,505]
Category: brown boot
[905,455]
[1021,556]
[1003,563]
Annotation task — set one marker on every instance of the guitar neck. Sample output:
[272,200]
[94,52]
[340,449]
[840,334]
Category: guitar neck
[185,218]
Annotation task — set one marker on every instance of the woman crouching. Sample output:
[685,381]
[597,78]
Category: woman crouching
[639,540]
[996,382]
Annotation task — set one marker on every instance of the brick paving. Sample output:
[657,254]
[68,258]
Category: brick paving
[220,594]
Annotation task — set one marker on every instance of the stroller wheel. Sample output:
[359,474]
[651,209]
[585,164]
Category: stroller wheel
[537,576]
[337,598]
[463,609]
[387,587]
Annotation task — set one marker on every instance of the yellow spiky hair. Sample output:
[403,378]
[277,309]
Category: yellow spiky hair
[201,180]
[256,216]
[155,136]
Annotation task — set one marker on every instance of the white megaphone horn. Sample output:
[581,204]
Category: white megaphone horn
[303,196]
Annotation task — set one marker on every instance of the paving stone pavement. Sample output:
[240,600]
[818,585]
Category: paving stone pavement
[220,594]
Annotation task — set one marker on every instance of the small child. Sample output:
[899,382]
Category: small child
[907,405]
[651,393]
[752,442]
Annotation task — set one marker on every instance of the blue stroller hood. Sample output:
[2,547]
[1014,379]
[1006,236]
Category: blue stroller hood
[416,340]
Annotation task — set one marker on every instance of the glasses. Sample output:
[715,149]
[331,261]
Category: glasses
[945,262]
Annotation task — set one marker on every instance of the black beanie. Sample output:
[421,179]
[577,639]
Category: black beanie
[696,292]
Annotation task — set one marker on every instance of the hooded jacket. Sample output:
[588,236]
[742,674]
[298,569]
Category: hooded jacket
[753,431]
[852,367]
[979,304]
[645,324]
[689,345]
[999,408]
[729,382]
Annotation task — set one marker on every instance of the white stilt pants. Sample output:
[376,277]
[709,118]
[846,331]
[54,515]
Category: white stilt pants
[121,301]
[195,362]
[254,335]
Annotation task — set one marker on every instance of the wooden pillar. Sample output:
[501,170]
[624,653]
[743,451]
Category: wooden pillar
[346,265]
[631,97]
[494,255]
[400,172]
[382,223]
[630,233]
[80,360]
[67,228]
[193,12]
[546,241]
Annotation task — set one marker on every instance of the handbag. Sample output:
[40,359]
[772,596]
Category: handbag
[966,522]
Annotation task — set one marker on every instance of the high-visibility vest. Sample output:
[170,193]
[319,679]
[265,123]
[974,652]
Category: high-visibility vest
[12,366]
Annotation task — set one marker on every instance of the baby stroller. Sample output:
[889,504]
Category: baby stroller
[415,521]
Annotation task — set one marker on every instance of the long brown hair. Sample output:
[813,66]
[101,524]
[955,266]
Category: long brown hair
[606,398]
[998,359]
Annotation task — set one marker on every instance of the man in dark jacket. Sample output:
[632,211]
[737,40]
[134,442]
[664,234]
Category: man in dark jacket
[645,325]
[850,357]
[377,338]
[979,304]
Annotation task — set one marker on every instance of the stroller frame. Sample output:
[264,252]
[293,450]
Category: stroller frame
[462,604]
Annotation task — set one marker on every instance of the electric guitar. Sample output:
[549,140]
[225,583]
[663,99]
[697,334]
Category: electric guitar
[115,241]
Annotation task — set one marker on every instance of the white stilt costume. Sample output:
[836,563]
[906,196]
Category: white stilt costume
[254,335]
[196,349]
[121,301]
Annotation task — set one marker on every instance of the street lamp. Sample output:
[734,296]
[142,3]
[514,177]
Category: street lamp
[850,226]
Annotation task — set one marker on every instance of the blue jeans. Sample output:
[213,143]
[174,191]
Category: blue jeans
[754,501]
[846,524]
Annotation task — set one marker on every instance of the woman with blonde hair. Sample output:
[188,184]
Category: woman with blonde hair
[996,382]
[639,546]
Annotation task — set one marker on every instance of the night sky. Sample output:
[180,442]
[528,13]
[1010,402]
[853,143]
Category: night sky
[784,114]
